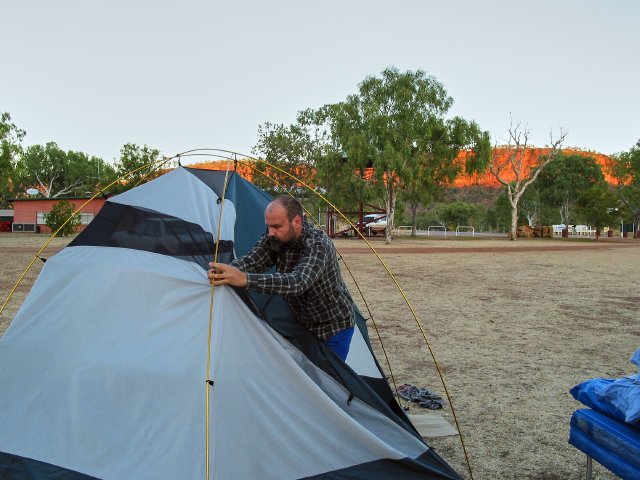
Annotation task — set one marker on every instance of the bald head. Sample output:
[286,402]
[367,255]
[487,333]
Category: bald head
[291,206]
[283,218]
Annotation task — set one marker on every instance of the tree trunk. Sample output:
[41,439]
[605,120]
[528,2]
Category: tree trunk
[414,212]
[391,205]
[518,142]
[513,233]
[514,199]
[565,210]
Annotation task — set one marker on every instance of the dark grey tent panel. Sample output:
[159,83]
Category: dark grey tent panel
[14,467]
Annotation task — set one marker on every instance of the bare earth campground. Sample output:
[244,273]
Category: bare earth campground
[513,325]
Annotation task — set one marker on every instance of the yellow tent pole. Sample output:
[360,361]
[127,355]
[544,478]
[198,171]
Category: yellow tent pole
[79,209]
[209,382]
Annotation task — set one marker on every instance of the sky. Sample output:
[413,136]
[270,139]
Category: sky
[93,75]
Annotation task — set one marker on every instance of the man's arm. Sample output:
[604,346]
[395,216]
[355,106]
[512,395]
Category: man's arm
[259,258]
[303,275]
[224,274]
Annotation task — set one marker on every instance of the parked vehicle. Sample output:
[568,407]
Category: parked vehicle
[372,219]
[378,225]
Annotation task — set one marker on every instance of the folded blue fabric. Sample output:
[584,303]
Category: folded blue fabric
[619,398]
[610,442]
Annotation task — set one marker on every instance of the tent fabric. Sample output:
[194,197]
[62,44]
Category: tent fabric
[103,369]
[13,466]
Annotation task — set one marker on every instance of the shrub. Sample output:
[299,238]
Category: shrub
[59,214]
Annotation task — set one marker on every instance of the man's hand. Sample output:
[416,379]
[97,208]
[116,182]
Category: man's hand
[223,274]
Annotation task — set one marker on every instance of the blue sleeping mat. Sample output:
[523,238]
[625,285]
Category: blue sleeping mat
[611,443]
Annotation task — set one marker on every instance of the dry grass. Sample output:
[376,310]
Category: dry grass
[513,330]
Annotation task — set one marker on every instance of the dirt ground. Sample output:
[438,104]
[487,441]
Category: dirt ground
[513,326]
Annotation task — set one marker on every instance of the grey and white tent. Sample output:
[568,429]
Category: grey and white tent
[103,371]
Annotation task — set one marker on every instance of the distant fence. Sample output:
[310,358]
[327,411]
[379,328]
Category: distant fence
[437,227]
[466,228]
[405,228]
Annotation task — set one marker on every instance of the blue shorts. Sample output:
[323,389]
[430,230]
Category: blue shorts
[340,342]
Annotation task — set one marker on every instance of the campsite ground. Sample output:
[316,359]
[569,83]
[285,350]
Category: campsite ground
[513,326]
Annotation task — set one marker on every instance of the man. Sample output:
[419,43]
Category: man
[308,275]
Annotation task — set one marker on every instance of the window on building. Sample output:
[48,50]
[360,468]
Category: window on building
[85,218]
[40,218]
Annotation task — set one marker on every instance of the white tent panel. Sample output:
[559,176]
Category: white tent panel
[109,383]
[112,384]
[359,357]
[182,195]
[295,417]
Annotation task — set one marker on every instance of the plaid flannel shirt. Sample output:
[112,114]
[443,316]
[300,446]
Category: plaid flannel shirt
[308,277]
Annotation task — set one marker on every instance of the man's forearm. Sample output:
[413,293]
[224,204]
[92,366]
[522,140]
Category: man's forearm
[277,283]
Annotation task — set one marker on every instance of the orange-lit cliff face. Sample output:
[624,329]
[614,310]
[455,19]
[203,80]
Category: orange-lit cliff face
[243,169]
[531,157]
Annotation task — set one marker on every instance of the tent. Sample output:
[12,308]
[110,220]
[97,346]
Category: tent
[119,364]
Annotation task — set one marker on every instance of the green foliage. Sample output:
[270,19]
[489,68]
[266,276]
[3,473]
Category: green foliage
[389,140]
[10,149]
[58,173]
[137,165]
[452,215]
[59,214]
[427,218]
[499,215]
[596,205]
[395,125]
[460,214]
[290,153]
[565,179]
[401,216]
[530,206]
[625,167]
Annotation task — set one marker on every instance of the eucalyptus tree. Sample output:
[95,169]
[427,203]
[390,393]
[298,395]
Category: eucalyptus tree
[439,164]
[391,137]
[530,206]
[565,180]
[625,168]
[58,173]
[458,213]
[10,149]
[137,164]
[289,154]
[396,127]
[596,206]
[513,173]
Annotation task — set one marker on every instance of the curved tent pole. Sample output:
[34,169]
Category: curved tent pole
[209,382]
[366,304]
[386,267]
[159,162]
[224,154]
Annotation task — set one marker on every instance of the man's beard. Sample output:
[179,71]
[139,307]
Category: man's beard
[276,245]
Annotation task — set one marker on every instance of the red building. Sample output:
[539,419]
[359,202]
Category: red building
[29,213]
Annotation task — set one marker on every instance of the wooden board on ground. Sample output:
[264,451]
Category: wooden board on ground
[430,425]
